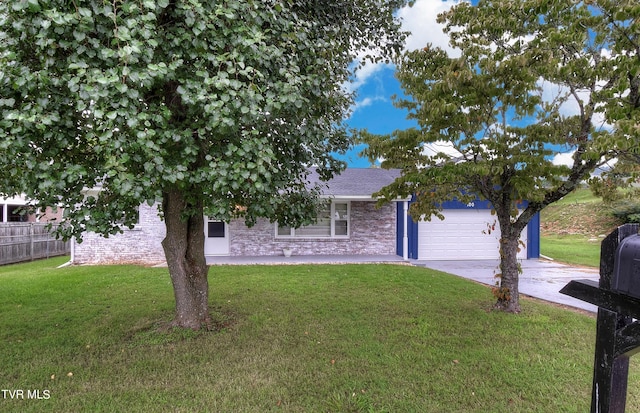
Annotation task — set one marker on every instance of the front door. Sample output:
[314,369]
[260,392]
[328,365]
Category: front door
[216,237]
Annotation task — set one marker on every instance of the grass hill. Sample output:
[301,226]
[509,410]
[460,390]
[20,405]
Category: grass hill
[579,213]
[572,228]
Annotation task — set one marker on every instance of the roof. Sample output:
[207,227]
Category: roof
[356,183]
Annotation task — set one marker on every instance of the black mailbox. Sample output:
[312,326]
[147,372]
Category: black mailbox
[617,296]
[626,267]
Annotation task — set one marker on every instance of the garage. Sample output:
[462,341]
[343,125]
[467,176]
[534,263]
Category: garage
[463,235]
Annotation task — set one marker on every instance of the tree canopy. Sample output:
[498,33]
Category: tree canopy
[214,108]
[533,78]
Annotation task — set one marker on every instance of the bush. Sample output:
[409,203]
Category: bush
[627,210]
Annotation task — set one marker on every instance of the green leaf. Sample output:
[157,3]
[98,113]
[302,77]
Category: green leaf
[34,5]
[84,12]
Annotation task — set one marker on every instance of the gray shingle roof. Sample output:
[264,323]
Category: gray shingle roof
[356,182]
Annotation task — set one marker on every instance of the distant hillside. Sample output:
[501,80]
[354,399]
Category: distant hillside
[578,213]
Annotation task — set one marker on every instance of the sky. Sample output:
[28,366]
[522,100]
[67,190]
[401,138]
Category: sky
[375,84]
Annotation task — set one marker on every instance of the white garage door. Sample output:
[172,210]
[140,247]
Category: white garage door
[462,235]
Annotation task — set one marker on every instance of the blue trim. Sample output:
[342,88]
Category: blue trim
[399,228]
[533,237]
[413,238]
[475,204]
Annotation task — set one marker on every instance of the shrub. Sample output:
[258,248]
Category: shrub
[627,210]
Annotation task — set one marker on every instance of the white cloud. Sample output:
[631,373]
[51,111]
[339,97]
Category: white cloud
[368,101]
[563,159]
[420,20]
[571,107]
[365,73]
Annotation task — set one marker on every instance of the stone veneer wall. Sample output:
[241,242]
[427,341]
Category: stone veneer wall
[141,245]
[372,232]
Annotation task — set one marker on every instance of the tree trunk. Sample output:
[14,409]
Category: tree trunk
[184,251]
[507,292]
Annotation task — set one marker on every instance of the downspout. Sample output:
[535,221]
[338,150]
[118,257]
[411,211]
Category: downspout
[72,254]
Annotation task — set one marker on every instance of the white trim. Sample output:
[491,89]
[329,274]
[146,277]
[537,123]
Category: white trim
[405,237]
[332,215]
[216,246]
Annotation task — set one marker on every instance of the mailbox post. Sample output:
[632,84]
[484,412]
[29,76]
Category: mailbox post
[617,296]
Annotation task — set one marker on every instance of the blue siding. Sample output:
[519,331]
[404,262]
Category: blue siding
[533,237]
[399,228]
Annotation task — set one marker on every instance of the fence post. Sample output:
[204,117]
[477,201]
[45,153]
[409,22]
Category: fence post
[31,235]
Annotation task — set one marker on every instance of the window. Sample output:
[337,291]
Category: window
[136,218]
[215,229]
[17,213]
[332,222]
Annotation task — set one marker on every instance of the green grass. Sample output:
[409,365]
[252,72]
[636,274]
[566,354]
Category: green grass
[342,338]
[572,249]
[579,196]
[573,228]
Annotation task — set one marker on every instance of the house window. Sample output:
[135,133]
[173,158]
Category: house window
[17,213]
[215,229]
[331,222]
[136,218]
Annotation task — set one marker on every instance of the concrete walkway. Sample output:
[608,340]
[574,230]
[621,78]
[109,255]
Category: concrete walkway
[305,259]
[540,278]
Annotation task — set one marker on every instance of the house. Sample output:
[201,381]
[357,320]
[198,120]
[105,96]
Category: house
[351,224]
[14,210]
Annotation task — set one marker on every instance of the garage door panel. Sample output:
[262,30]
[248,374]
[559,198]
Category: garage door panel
[463,234]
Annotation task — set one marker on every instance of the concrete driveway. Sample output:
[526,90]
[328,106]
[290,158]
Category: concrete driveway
[540,278]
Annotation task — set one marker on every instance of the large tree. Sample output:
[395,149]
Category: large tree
[207,107]
[533,78]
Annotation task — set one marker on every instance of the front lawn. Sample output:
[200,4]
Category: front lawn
[326,338]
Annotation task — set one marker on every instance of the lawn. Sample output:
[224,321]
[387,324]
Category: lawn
[573,228]
[573,249]
[326,338]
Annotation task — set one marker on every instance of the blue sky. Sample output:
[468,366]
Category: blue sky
[375,84]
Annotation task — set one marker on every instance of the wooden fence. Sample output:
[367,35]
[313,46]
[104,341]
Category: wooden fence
[26,241]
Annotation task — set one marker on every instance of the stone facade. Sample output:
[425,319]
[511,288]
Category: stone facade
[372,232]
[140,245]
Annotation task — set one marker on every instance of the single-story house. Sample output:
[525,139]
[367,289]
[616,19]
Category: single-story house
[351,225]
